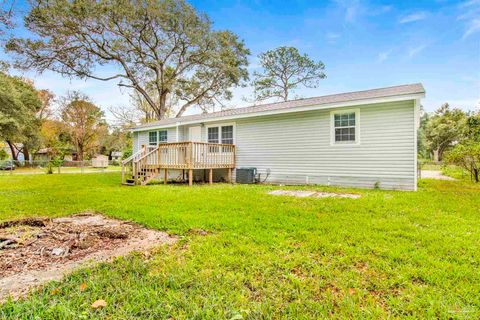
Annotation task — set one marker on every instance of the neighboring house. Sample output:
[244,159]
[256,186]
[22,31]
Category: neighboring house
[359,139]
[44,154]
[47,154]
[7,149]
[116,155]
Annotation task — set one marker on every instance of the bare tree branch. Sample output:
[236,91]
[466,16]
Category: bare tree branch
[162,49]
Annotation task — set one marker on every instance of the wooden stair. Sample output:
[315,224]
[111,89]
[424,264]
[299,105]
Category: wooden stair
[144,176]
[134,169]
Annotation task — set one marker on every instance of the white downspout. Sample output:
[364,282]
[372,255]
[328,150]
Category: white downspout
[176,132]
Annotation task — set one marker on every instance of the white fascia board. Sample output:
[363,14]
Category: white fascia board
[352,103]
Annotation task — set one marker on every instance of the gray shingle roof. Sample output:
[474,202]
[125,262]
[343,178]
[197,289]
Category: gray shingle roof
[407,89]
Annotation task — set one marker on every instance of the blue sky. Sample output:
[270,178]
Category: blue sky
[364,44]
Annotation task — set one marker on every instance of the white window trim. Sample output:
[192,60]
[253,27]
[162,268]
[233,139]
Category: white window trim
[219,125]
[157,142]
[158,136]
[357,127]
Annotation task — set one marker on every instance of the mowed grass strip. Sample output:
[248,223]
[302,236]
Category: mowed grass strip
[387,254]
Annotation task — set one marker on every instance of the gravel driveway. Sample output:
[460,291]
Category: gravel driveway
[434,174]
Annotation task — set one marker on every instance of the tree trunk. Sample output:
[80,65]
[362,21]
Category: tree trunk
[435,155]
[475,174]
[162,108]
[12,150]
[80,152]
[440,153]
[26,155]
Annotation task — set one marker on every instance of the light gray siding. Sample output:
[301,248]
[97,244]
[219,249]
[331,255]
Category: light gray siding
[296,148]
[141,138]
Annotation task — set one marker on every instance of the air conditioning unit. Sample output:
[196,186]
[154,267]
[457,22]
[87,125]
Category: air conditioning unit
[246,175]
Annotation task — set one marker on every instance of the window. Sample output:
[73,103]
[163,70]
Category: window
[213,135]
[227,134]
[345,127]
[156,137]
[162,136]
[220,134]
[152,138]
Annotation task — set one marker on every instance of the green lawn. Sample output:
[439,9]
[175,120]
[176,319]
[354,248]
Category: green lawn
[42,170]
[387,254]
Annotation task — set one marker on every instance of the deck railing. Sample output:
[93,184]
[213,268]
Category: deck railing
[195,155]
[129,165]
[183,155]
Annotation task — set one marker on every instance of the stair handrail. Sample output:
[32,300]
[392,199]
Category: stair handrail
[134,158]
[142,162]
[137,155]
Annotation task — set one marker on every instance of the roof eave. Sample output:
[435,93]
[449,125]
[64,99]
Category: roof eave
[358,102]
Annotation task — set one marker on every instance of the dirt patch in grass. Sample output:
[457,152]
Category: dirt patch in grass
[34,251]
[314,194]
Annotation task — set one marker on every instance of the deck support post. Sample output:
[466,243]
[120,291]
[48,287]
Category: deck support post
[190,177]
[210,176]
[165,176]
[229,175]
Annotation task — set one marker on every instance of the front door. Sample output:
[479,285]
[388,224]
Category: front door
[195,133]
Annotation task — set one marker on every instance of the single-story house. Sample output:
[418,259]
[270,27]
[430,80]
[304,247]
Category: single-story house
[116,155]
[359,139]
[44,154]
[47,154]
[20,156]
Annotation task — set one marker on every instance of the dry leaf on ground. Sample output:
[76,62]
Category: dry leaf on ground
[99,304]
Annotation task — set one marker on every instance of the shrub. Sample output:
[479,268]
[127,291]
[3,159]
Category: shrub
[3,154]
[466,155]
[49,169]
[54,163]
[126,153]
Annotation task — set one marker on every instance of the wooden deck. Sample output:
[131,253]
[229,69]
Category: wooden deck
[150,161]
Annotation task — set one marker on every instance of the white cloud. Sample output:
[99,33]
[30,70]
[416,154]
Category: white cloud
[470,14]
[473,27]
[470,3]
[412,17]
[412,52]
[352,9]
[382,9]
[332,36]
[382,56]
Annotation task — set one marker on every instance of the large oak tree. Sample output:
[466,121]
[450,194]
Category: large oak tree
[163,49]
